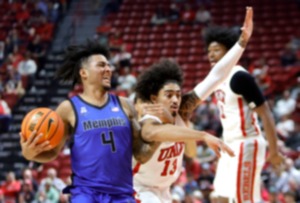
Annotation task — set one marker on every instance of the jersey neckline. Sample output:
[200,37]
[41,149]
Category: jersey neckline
[92,105]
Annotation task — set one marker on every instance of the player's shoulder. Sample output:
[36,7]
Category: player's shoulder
[65,104]
[128,106]
[64,108]
[125,102]
[238,70]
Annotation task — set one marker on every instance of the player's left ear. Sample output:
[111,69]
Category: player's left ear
[83,73]
[153,98]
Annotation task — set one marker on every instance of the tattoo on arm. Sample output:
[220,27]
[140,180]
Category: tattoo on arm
[188,104]
[142,150]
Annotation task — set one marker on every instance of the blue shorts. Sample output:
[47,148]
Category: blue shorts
[87,195]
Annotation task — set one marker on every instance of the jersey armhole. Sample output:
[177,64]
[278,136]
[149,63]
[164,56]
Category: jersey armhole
[73,131]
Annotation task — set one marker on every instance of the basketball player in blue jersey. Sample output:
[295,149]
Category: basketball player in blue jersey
[104,133]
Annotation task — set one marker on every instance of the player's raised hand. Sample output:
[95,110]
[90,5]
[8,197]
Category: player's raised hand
[31,148]
[217,145]
[247,28]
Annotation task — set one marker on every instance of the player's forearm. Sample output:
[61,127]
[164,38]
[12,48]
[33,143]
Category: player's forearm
[219,72]
[171,133]
[270,131]
[269,126]
[190,149]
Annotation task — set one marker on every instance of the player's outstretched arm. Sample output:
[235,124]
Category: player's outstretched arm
[155,131]
[43,152]
[220,71]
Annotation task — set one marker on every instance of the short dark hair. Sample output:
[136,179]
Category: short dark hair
[225,36]
[75,55]
[154,78]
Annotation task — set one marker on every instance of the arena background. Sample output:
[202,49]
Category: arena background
[139,33]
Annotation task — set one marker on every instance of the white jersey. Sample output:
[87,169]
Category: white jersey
[238,119]
[163,169]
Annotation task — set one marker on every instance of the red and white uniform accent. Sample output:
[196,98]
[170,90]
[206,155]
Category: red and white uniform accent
[152,180]
[238,119]
[238,178]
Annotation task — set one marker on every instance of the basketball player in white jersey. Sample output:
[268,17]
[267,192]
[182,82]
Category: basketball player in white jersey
[240,101]
[161,83]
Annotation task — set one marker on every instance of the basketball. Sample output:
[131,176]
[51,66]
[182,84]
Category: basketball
[46,121]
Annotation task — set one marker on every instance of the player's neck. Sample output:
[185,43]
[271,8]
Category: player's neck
[97,97]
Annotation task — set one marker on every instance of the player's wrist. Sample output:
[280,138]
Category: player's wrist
[242,42]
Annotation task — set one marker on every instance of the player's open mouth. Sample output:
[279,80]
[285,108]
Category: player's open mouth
[107,79]
[174,108]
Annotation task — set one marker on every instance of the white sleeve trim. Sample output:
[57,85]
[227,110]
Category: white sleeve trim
[147,116]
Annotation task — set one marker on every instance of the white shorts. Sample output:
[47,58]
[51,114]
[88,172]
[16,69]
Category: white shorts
[238,177]
[152,195]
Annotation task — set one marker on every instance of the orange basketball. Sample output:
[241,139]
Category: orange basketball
[46,121]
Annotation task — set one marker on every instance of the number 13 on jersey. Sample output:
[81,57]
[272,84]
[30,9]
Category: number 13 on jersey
[169,168]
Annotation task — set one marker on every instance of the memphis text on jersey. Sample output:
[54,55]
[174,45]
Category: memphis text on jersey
[105,123]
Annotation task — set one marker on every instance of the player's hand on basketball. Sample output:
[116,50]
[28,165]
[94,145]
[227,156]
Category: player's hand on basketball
[247,28]
[276,159]
[217,145]
[31,148]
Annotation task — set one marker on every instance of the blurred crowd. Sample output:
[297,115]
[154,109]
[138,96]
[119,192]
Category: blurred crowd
[26,31]
[28,190]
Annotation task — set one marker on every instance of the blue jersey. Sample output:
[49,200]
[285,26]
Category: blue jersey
[101,150]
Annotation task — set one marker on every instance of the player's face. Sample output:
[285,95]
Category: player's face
[99,71]
[215,52]
[170,97]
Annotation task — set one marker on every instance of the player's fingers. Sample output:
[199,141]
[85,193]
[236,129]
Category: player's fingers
[37,138]
[248,17]
[227,149]
[32,137]
[248,20]
[44,144]
[217,151]
[44,148]
[48,147]
[22,139]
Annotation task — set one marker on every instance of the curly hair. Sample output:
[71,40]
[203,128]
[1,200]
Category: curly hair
[225,36]
[154,78]
[74,58]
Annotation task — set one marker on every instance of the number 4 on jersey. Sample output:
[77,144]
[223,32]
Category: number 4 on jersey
[110,141]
